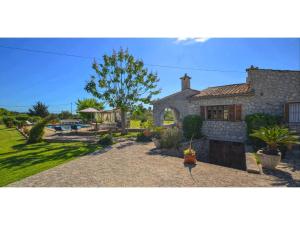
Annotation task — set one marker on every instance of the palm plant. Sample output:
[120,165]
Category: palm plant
[275,136]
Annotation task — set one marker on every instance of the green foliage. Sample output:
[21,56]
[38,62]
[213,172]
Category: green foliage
[157,132]
[274,137]
[9,121]
[37,131]
[106,140]
[22,117]
[65,115]
[88,103]
[189,152]
[192,125]
[123,82]
[143,137]
[148,124]
[171,138]
[258,120]
[34,119]
[168,115]
[39,109]
[142,114]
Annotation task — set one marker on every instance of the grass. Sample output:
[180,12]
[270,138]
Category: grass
[135,123]
[168,122]
[257,158]
[19,160]
[128,135]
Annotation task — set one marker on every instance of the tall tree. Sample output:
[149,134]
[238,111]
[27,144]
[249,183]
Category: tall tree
[65,115]
[39,109]
[123,82]
[88,103]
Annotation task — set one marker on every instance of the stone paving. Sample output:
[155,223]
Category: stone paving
[129,164]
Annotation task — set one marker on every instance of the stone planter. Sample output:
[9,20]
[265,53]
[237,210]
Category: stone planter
[269,161]
[156,142]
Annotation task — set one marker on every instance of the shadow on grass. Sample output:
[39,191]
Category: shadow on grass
[45,153]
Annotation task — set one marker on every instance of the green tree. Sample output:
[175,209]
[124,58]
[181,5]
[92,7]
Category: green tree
[123,82]
[88,103]
[39,109]
[65,115]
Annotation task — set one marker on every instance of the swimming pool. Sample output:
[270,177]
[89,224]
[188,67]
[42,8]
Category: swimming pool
[68,126]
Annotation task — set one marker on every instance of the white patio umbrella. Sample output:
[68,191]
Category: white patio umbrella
[89,110]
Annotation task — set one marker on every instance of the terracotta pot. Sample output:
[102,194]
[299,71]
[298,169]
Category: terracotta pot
[189,159]
[269,161]
[156,142]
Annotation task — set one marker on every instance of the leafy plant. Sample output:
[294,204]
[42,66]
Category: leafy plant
[143,137]
[123,82]
[258,120]
[171,137]
[37,131]
[39,109]
[9,121]
[65,115]
[274,137]
[106,140]
[192,125]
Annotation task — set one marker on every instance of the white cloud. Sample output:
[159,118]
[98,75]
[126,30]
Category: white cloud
[187,41]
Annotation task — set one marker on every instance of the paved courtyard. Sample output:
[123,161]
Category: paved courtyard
[129,164]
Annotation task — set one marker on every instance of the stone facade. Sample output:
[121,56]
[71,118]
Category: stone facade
[270,90]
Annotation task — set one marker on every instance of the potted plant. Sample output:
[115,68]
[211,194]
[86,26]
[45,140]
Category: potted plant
[189,155]
[273,136]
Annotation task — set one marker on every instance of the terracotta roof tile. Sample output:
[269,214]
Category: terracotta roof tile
[226,90]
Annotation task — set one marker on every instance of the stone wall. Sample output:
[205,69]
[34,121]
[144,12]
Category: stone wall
[201,147]
[178,102]
[272,89]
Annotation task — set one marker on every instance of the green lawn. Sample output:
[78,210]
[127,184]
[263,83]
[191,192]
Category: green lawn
[168,122]
[18,160]
[135,123]
[128,135]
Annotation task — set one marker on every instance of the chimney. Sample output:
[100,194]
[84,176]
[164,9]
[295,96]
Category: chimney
[185,82]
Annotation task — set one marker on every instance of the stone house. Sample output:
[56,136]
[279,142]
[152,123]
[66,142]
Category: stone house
[224,108]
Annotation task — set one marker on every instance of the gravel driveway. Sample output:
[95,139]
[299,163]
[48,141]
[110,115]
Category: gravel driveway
[130,164]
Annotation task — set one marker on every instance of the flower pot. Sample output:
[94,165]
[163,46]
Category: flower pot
[156,142]
[189,159]
[269,161]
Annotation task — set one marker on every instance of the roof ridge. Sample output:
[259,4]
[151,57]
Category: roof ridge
[226,85]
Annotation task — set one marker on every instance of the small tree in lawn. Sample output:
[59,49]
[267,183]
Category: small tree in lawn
[123,82]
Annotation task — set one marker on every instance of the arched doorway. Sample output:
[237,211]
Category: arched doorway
[169,116]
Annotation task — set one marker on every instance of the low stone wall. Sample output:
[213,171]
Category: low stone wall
[201,146]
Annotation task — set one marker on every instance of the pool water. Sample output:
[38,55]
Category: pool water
[68,127]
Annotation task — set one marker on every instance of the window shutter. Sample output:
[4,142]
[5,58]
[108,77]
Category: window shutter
[202,112]
[286,112]
[238,112]
[231,114]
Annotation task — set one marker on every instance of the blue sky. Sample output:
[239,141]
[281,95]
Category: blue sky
[27,77]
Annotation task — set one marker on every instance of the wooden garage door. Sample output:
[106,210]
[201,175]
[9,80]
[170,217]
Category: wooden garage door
[230,154]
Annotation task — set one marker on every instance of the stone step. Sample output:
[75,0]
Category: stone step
[251,164]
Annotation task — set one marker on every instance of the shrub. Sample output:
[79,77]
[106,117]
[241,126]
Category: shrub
[106,140]
[143,137]
[274,137]
[37,131]
[22,117]
[171,137]
[192,125]
[9,121]
[255,122]
[157,132]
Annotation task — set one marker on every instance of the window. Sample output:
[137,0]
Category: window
[222,112]
[294,112]
[219,112]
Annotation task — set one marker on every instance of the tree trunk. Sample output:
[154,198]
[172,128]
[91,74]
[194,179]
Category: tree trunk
[123,122]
